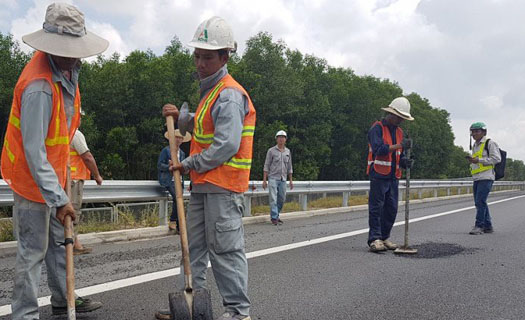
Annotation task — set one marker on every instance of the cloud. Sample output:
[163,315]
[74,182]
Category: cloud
[464,56]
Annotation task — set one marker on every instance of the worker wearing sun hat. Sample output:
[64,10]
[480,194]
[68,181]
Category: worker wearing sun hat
[44,117]
[166,177]
[386,157]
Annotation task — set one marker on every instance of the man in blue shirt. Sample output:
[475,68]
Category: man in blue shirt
[166,177]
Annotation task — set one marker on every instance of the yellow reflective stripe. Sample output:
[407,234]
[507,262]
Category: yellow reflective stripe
[239,163]
[57,138]
[73,153]
[204,139]
[205,107]
[14,121]
[248,131]
[10,154]
[73,169]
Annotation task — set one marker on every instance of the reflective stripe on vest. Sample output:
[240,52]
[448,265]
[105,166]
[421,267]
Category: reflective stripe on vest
[199,136]
[479,167]
[57,139]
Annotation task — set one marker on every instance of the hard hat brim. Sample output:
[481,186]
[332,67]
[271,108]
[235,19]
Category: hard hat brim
[206,46]
[398,113]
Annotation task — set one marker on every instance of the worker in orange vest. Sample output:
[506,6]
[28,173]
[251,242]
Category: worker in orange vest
[386,145]
[83,165]
[44,117]
[219,166]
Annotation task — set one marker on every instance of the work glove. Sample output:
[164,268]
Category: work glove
[406,144]
[406,163]
[185,122]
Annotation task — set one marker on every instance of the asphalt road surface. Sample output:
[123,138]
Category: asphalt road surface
[320,268]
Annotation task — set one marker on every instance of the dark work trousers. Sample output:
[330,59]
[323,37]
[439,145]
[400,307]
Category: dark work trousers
[382,208]
[174,216]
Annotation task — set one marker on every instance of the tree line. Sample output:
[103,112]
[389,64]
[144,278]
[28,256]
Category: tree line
[326,111]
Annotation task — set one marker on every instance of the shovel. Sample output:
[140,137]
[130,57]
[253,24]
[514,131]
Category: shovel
[187,304]
[405,249]
[70,268]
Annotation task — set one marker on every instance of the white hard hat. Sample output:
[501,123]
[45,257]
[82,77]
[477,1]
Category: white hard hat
[400,107]
[214,34]
[281,133]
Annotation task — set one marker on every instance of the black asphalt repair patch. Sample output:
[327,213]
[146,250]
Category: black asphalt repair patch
[432,250]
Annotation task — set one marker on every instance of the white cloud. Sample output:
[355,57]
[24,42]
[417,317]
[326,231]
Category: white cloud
[464,56]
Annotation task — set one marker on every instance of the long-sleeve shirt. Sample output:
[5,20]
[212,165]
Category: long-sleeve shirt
[278,164]
[491,156]
[163,166]
[379,148]
[35,116]
[228,113]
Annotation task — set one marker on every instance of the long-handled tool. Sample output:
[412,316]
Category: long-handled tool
[405,249]
[187,304]
[70,268]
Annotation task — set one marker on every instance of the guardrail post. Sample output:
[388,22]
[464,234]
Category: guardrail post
[459,191]
[401,195]
[435,193]
[420,193]
[163,212]
[468,189]
[346,195]
[247,206]
[448,192]
[303,201]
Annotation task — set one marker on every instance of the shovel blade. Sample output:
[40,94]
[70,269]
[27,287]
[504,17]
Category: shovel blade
[405,250]
[179,308]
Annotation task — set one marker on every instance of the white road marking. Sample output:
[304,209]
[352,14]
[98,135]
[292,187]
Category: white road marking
[117,284]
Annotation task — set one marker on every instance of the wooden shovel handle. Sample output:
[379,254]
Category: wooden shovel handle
[70,267]
[180,204]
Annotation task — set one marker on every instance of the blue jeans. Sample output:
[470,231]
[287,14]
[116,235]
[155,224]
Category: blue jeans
[382,208]
[277,189]
[481,193]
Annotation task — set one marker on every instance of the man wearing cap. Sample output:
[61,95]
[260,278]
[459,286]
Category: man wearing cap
[219,165]
[44,117]
[166,177]
[277,166]
[386,157]
[82,164]
[485,155]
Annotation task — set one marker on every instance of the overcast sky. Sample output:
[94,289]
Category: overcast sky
[466,57]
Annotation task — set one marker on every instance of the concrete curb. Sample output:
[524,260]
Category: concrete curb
[162,231]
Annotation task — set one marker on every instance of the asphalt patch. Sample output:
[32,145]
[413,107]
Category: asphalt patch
[433,250]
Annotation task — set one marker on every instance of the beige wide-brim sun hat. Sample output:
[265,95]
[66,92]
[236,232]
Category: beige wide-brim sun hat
[64,34]
[185,138]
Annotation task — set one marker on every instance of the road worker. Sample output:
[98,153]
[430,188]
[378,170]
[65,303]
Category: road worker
[44,116]
[485,155]
[219,165]
[386,157]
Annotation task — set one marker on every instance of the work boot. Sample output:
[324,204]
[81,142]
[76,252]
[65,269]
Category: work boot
[488,230]
[274,222]
[280,221]
[82,305]
[377,245]
[229,315]
[390,245]
[476,230]
[83,250]
[163,314]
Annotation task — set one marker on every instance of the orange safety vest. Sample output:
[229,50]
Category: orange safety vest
[234,174]
[383,164]
[14,164]
[79,171]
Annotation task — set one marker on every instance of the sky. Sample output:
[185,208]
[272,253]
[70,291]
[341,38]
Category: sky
[466,57]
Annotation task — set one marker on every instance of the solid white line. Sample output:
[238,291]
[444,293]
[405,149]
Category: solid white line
[117,284]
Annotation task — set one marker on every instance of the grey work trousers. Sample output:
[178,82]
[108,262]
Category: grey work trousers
[216,234]
[39,235]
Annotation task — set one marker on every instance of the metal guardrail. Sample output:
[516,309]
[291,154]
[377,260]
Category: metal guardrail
[117,191]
